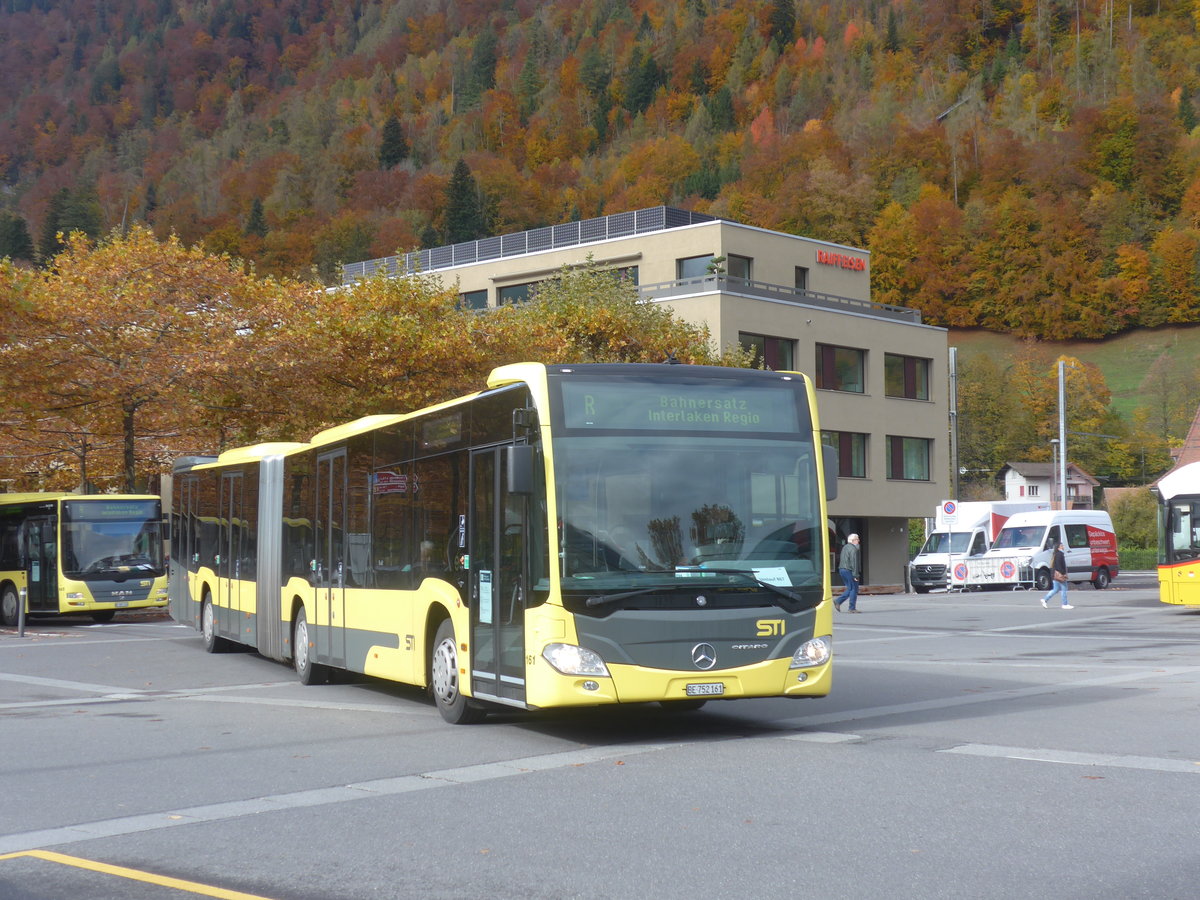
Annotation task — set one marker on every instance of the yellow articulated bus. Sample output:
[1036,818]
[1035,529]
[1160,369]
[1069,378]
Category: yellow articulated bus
[570,536]
[1179,536]
[78,554]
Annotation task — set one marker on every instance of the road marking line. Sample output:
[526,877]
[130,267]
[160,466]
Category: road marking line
[1072,758]
[179,884]
[85,831]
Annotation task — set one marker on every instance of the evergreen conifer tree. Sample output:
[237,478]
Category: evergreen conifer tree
[393,148]
[464,220]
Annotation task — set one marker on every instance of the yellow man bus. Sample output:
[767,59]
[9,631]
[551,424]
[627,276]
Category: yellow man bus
[570,536]
[1179,536]
[80,554]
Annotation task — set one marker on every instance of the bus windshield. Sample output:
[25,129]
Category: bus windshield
[111,538]
[738,514]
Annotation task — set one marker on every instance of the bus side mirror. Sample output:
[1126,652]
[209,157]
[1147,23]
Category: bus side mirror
[830,464]
[518,468]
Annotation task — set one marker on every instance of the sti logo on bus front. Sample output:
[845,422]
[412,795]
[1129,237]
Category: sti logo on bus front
[770,627]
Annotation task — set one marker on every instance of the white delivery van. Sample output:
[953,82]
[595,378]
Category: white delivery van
[1088,539]
[969,532]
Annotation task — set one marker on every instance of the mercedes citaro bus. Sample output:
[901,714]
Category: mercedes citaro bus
[569,536]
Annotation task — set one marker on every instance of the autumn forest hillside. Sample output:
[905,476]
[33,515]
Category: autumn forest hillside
[1027,166]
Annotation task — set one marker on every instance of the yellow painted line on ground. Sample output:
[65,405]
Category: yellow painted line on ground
[135,875]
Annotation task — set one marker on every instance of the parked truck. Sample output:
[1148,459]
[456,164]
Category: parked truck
[961,530]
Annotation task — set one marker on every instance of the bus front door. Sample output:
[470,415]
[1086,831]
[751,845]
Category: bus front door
[331,558]
[499,569]
[228,609]
[41,563]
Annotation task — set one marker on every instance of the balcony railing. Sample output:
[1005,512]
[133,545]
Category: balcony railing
[552,237]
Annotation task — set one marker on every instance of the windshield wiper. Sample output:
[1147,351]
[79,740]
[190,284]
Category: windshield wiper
[603,599]
[795,598]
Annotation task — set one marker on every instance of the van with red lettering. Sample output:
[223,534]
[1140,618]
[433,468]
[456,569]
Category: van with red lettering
[1088,539]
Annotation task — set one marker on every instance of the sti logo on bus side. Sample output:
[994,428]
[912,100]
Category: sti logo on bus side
[770,627]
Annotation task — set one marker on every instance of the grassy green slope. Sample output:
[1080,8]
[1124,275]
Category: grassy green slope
[1125,360]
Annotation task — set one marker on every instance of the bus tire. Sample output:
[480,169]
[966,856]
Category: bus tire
[308,671]
[101,616]
[10,606]
[1044,582]
[1102,579]
[444,680]
[208,628]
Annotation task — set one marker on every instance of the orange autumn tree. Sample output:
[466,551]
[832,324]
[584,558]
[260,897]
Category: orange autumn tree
[124,342]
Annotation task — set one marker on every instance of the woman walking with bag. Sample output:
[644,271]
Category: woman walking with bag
[1058,574]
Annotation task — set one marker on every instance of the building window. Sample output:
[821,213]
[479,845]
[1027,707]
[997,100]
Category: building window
[738,267]
[776,354]
[627,273]
[851,450]
[473,299]
[906,376]
[801,278]
[692,267]
[1033,490]
[908,458]
[841,369]
[515,293]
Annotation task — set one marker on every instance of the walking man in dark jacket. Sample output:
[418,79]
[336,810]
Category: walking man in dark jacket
[850,568]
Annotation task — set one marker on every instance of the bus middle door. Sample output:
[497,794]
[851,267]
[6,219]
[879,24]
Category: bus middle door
[499,570]
[41,563]
[331,558]
[228,585]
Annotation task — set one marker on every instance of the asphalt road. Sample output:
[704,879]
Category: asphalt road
[975,745]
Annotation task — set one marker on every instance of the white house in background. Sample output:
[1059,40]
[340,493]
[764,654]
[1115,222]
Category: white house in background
[1039,481]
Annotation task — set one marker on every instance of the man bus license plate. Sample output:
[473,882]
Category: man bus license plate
[708,689]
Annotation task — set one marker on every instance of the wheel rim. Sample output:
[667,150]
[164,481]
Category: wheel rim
[445,672]
[8,607]
[208,624]
[301,642]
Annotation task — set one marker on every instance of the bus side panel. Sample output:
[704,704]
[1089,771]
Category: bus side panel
[1179,584]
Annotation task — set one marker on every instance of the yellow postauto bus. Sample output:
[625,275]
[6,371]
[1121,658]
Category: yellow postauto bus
[1179,536]
[570,536]
[80,554]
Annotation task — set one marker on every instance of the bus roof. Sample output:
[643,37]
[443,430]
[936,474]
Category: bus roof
[45,496]
[1184,480]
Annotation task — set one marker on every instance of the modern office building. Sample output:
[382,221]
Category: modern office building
[804,305]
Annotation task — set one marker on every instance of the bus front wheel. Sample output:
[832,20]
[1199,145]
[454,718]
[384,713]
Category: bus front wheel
[309,671]
[103,615]
[10,608]
[444,680]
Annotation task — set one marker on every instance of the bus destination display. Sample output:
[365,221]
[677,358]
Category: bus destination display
[679,407]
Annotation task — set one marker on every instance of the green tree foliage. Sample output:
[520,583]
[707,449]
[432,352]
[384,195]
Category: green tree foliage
[1135,518]
[15,242]
[393,148]
[465,219]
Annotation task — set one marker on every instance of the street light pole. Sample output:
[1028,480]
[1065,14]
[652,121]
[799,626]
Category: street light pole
[1062,431]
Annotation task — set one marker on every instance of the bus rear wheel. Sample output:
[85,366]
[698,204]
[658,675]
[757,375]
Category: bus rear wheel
[444,680]
[309,671]
[10,608]
[208,628]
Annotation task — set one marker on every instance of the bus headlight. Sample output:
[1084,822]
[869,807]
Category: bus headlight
[74,595]
[570,659]
[813,653]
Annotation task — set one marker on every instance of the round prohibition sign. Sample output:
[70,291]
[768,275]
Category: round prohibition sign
[1007,569]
